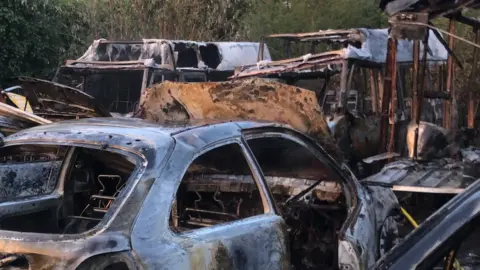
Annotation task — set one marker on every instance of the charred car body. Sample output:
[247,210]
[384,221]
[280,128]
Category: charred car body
[129,194]
[32,102]
[118,72]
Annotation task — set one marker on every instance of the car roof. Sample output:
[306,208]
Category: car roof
[125,129]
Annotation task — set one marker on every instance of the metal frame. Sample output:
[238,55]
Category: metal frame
[414,30]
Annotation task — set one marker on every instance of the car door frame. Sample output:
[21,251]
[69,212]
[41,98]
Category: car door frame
[352,232]
[195,246]
[348,183]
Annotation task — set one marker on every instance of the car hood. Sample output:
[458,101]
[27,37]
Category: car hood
[57,101]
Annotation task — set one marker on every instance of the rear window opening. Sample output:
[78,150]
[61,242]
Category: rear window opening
[90,183]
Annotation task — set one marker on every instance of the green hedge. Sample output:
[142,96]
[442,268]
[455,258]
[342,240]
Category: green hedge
[36,36]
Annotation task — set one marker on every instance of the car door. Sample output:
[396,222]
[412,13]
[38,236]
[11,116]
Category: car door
[221,216]
[293,165]
[448,239]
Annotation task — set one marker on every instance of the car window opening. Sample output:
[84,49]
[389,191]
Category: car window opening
[217,188]
[118,92]
[93,181]
[313,219]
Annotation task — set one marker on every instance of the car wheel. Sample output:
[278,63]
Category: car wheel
[388,235]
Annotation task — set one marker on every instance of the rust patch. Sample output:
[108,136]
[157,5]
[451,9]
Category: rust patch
[212,256]
[250,99]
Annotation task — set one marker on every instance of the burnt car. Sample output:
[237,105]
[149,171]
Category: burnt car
[448,239]
[124,193]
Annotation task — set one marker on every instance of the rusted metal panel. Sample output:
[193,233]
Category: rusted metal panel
[245,99]
[311,63]
[390,84]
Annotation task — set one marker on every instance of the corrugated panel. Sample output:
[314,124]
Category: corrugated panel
[439,176]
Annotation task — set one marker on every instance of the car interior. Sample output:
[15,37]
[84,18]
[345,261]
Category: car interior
[32,177]
[219,188]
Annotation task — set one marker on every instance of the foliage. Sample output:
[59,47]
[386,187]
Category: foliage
[278,16]
[170,19]
[464,52]
[36,36]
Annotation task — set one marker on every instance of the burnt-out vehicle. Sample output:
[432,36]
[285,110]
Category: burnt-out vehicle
[124,193]
[117,72]
[448,239]
[346,70]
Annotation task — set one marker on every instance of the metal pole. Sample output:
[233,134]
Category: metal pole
[394,103]
[422,79]
[362,78]
[401,90]
[260,50]
[379,83]
[447,113]
[416,60]
[473,75]
[342,94]
[421,91]
[389,88]
[144,87]
[374,90]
